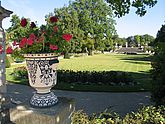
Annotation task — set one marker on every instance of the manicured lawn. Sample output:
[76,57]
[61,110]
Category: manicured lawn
[137,65]
[107,62]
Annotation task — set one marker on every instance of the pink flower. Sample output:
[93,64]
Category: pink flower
[30,42]
[1,49]
[32,25]
[53,19]
[23,22]
[9,50]
[53,47]
[23,42]
[67,37]
[55,28]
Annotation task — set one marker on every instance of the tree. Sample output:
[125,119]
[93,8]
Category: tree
[122,42]
[131,41]
[148,39]
[96,21]
[122,7]
[104,25]
[158,65]
[140,40]
[137,39]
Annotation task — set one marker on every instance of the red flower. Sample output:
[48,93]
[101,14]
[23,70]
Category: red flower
[53,47]
[55,28]
[53,19]
[23,22]
[1,49]
[23,42]
[30,42]
[15,43]
[32,25]
[9,50]
[67,37]
[32,36]
[37,40]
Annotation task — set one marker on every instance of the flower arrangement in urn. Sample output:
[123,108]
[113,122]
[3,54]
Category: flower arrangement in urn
[30,39]
[40,47]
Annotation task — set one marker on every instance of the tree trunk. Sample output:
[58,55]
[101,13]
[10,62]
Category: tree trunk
[102,51]
[90,52]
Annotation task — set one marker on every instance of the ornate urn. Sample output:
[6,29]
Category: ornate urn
[42,74]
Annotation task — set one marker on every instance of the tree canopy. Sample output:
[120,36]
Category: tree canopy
[122,7]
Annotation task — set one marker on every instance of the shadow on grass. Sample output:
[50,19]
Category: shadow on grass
[138,57]
[139,62]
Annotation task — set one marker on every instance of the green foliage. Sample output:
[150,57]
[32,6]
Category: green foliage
[93,77]
[79,117]
[158,65]
[20,72]
[70,25]
[137,39]
[7,62]
[140,40]
[11,59]
[122,7]
[104,118]
[85,77]
[146,115]
[97,23]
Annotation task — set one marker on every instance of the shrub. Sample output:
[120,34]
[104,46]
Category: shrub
[79,117]
[7,62]
[94,77]
[158,65]
[146,115]
[20,72]
[85,77]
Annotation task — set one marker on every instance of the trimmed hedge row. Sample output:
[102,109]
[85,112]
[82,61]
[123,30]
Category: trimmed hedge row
[146,115]
[94,77]
[85,77]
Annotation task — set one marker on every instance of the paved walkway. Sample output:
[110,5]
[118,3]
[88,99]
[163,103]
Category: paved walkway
[90,102]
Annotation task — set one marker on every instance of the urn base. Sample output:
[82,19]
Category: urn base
[43,100]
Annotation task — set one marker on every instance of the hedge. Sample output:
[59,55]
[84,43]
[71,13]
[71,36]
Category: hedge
[85,77]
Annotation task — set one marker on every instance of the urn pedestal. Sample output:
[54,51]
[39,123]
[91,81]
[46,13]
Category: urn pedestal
[42,74]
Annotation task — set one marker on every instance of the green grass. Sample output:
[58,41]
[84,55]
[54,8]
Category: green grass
[137,65]
[107,62]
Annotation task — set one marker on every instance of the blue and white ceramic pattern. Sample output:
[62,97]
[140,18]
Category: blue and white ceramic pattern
[42,73]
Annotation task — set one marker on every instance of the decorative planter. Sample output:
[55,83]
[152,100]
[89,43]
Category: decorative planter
[42,74]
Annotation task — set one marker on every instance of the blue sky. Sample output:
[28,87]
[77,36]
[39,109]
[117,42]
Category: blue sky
[128,25]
